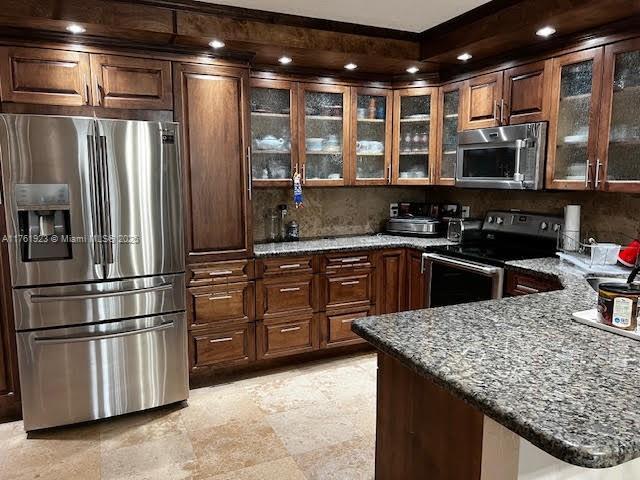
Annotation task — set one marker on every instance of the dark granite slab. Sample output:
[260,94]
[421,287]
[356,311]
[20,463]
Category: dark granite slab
[344,244]
[570,389]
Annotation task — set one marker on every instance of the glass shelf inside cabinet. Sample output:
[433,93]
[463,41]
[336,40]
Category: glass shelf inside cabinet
[323,135]
[371,112]
[450,134]
[271,134]
[415,122]
[571,158]
[624,136]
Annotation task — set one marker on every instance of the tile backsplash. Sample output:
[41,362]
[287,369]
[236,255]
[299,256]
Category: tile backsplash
[363,210]
[332,211]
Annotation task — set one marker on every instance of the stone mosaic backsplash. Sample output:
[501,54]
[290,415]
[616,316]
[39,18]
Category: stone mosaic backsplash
[358,211]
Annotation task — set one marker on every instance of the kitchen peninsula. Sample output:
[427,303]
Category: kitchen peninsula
[506,389]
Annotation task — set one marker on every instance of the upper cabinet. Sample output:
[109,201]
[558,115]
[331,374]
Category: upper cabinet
[324,134]
[414,135]
[212,108]
[274,154]
[129,82]
[449,109]
[573,123]
[618,163]
[47,77]
[66,78]
[371,136]
[516,95]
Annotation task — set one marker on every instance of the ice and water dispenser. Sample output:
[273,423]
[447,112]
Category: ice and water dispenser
[45,227]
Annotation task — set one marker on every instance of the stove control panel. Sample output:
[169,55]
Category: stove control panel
[521,223]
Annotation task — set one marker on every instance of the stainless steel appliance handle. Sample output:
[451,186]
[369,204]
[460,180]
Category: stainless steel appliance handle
[102,336]
[520,145]
[92,295]
[463,264]
[103,170]
[96,218]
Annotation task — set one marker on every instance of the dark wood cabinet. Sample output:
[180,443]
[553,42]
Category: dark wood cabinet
[335,326]
[481,101]
[391,276]
[286,295]
[527,91]
[222,303]
[269,267]
[130,82]
[287,336]
[416,294]
[223,347]
[44,76]
[211,106]
[232,271]
[525,284]
[449,124]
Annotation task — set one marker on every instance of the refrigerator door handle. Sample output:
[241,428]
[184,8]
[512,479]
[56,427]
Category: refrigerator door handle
[103,336]
[90,295]
[94,185]
[106,200]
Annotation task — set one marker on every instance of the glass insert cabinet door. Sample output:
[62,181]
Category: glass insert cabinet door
[449,107]
[371,123]
[573,125]
[619,145]
[273,108]
[324,115]
[414,134]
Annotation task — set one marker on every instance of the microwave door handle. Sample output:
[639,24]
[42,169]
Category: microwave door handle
[520,144]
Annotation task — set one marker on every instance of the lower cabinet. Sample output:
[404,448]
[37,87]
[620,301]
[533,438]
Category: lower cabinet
[223,346]
[391,281]
[415,288]
[218,303]
[336,327]
[517,284]
[287,336]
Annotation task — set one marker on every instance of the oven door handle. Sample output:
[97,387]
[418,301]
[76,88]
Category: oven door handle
[486,270]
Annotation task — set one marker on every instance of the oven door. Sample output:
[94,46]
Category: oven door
[450,281]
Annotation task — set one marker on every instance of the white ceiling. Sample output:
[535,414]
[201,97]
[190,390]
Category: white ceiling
[408,15]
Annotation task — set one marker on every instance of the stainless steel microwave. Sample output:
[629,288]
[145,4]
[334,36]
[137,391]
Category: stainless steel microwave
[510,157]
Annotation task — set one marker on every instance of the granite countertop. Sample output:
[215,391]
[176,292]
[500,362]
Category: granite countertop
[344,244]
[570,389]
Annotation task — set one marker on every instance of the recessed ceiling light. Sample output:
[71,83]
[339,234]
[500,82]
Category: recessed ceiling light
[465,56]
[73,28]
[285,60]
[413,69]
[216,44]
[546,32]
[351,66]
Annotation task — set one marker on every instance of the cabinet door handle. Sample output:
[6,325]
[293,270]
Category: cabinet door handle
[587,175]
[290,329]
[495,111]
[249,173]
[502,105]
[87,100]
[220,297]
[291,289]
[219,273]
[304,174]
[221,340]
[598,166]
[353,282]
[524,288]
[98,93]
[389,174]
[290,265]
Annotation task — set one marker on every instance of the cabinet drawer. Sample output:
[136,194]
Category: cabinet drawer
[232,345]
[336,262]
[268,267]
[219,303]
[221,272]
[287,337]
[336,328]
[523,284]
[355,289]
[286,295]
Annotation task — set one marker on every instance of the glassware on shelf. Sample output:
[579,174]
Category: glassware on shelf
[370,137]
[415,118]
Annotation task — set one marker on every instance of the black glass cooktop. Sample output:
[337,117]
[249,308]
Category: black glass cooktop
[496,252]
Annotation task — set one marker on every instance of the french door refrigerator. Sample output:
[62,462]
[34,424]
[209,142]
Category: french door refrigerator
[95,237]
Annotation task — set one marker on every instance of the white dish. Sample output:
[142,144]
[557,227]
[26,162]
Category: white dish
[590,318]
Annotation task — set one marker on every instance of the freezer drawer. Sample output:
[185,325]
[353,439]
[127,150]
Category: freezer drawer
[84,373]
[85,303]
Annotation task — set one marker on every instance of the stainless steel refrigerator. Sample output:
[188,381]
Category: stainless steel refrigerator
[94,223]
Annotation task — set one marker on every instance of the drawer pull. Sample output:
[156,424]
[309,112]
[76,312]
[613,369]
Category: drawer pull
[353,282]
[348,320]
[352,259]
[291,265]
[290,329]
[221,297]
[524,288]
[292,289]
[219,273]
[221,340]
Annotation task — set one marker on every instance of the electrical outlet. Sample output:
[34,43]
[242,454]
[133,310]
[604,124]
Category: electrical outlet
[466,211]
[393,210]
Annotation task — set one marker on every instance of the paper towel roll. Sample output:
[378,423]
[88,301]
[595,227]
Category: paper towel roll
[572,227]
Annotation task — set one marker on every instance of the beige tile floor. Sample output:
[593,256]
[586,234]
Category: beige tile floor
[316,421]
